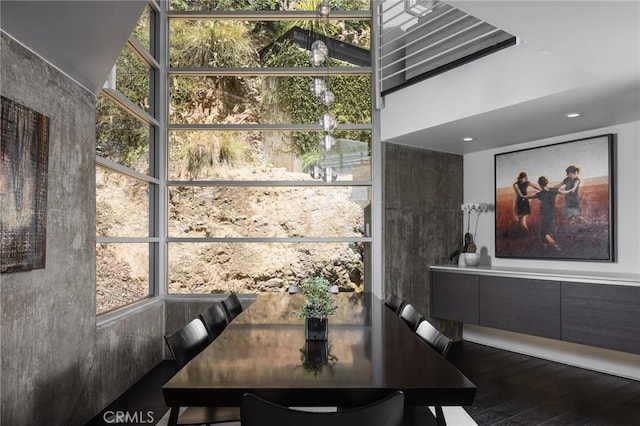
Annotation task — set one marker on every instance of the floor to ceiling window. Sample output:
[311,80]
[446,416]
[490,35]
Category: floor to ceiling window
[237,193]
[244,212]
[126,173]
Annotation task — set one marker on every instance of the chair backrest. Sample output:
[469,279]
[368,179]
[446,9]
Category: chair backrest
[385,412]
[187,342]
[434,338]
[233,306]
[411,316]
[394,303]
[215,320]
[293,289]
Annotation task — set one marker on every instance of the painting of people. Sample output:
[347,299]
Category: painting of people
[24,154]
[555,201]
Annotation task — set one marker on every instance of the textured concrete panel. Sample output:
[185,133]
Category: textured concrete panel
[57,367]
[127,348]
[422,194]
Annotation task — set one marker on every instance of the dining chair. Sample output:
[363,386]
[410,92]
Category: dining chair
[294,289]
[184,345]
[187,342]
[384,412]
[414,416]
[233,306]
[395,303]
[411,316]
[433,337]
[215,320]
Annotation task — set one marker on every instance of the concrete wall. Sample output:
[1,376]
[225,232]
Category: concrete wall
[58,367]
[422,194]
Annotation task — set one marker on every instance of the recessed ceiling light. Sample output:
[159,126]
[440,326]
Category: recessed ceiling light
[572,114]
[467,139]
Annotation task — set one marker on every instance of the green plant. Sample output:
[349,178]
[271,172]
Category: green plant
[319,301]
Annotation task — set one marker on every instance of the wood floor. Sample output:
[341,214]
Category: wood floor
[516,389]
[513,389]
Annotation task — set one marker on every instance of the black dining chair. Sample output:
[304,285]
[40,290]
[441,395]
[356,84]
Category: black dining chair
[215,320]
[411,316]
[385,412]
[294,289]
[184,345]
[421,416]
[395,303]
[187,342]
[433,337]
[233,306]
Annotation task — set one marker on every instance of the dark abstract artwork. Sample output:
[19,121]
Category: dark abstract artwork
[24,154]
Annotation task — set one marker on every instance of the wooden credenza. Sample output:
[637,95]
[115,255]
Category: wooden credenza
[584,309]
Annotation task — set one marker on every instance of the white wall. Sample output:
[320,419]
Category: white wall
[479,186]
[497,81]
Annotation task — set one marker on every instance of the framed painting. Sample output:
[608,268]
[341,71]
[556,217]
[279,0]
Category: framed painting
[556,201]
[24,157]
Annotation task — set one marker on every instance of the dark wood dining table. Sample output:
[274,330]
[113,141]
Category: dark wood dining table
[370,352]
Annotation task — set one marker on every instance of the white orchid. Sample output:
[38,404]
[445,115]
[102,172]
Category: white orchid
[473,206]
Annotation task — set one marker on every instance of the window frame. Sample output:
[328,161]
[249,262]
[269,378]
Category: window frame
[152,177]
[271,71]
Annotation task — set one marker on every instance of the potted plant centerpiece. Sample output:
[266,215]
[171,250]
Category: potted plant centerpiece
[318,306]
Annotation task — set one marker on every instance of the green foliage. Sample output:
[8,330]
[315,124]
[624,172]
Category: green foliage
[311,157]
[207,43]
[120,137]
[292,95]
[225,4]
[232,149]
[320,26]
[199,150]
[213,99]
[132,78]
[142,29]
[319,301]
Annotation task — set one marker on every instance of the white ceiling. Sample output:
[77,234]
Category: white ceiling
[573,56]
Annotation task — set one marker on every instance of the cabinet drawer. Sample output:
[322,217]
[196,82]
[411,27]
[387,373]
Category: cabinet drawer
[454,297]
[521,305]
[601,315]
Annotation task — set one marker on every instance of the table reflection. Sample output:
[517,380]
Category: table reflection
[279,308]
[271,330]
